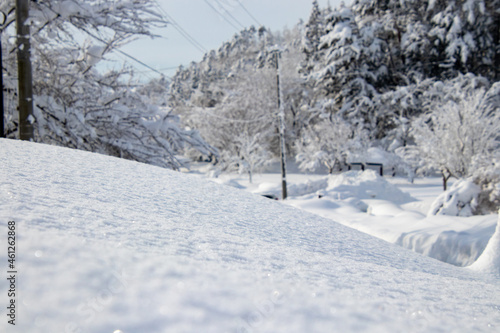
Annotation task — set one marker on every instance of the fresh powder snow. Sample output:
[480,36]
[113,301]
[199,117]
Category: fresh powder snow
[109,245]
[390,208]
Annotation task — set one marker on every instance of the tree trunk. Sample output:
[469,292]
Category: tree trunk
[445,179]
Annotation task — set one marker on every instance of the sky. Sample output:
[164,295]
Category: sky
[206,22]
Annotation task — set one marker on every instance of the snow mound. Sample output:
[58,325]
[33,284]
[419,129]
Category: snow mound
[459,200]
[364,185]
[294,189]
[489,261]
[374,155]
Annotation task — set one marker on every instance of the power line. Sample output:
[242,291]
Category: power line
[181,30]
[230,15]
[249,14]
[221,15]
[144,72]
[124,53]
[138,61]
[114,49]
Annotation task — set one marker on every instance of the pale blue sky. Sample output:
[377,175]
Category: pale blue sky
[210,29]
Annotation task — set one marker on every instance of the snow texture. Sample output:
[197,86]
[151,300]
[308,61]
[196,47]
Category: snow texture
[389,208]
[108,245]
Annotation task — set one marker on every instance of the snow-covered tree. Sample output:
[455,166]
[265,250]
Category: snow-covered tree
[313,31]
[488,178]
[242,126]
[356,68]
[329,143]
[459,133]
[77,106]
[230,97]
[464,37]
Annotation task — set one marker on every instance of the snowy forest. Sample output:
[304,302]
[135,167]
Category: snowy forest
[413,82]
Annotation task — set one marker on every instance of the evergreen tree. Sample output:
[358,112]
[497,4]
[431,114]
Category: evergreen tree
[463,35]
[313,31]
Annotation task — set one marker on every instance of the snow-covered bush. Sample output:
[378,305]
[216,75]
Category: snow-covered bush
[460,200]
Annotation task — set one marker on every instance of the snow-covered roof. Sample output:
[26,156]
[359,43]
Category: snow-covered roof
[109,245]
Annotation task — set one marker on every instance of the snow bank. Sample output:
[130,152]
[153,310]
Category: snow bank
[109,245]
[369,203]
[293,189]
[457,241]
[489,261]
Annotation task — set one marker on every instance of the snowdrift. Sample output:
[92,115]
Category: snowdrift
[489,261]
[108,245]
[367,202]
[365,185]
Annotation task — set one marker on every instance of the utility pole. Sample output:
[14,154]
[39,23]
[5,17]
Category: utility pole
[2,125]
[24,71]
[281,116]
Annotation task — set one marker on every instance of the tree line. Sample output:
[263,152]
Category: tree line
[415,81]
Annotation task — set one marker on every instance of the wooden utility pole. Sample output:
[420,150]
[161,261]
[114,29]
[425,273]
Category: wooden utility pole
[281,116]
[2,125]
[24,71]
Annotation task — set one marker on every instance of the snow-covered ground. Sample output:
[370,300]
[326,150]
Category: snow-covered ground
[390,208]
[108,245]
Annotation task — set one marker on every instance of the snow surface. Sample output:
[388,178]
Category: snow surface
[388,208]
[109,245]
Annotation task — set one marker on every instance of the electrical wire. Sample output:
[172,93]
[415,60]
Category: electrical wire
[143,72]
[221,15]
[116,50]
[180,29]
[229,14]
[249,14]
